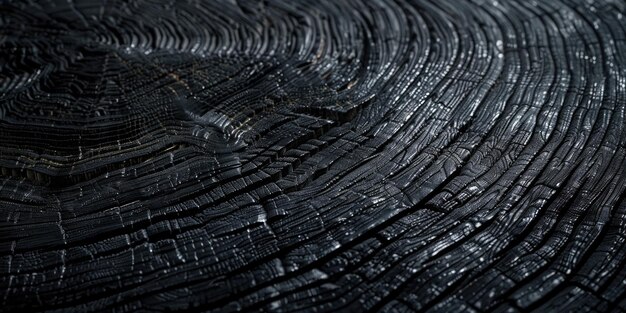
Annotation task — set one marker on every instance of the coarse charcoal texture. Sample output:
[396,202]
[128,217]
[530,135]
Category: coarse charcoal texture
[322,156]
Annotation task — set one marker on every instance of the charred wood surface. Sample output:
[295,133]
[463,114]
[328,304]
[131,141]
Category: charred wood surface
[323,156]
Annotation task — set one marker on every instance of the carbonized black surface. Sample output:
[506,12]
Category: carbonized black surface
[313,155]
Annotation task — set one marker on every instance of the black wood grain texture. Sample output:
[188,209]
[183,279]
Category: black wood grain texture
[324,156]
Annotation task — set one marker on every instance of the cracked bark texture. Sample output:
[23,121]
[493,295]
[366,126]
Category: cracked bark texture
[323,156]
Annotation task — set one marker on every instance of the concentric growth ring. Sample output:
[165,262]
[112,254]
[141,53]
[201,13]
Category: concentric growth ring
[313,155]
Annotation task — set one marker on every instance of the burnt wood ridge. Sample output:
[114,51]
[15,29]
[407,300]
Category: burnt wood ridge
[323,156]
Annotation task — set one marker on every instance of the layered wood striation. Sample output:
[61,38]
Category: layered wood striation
[320,156]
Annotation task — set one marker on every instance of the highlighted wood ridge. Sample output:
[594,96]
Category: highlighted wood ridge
[328,156]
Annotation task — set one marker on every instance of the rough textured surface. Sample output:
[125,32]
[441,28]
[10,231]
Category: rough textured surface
[313,155]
